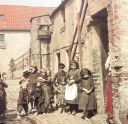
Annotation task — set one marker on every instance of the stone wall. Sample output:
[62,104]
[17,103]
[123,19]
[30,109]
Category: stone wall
[91,47]
[40,48]
[94,54]
[119,56]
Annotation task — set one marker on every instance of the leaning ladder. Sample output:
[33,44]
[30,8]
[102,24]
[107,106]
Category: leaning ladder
[77,34]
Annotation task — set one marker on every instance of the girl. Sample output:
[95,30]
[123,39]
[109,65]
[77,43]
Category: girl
[38,94]
[3,99]
[87,100]
[48,90]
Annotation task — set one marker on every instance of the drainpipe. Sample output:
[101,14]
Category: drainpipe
[40,55]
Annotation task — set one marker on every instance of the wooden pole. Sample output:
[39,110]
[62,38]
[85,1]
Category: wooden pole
[40,55]
[79,27]
[23,62]
[30,56]
[80,47]
[74,36]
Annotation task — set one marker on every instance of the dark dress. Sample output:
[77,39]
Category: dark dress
[39,99]
[31,85]
[48,93]
[22,102]
[87,101]
[75,75]
[2,97]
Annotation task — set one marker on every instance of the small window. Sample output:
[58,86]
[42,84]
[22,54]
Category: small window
[58,56]
[63,13]
[1,18]
[2,40]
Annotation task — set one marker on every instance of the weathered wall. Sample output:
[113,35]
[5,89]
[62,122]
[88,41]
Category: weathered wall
[40,50]
[16,44]
[118,36]
[91,47]
[94,54]
[34,45]
[96,5]
[62,39]
[92,59]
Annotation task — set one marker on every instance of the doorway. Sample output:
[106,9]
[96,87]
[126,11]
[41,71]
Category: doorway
[100,49]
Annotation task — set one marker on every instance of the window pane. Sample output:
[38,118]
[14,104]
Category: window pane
[1,40]
[1,37]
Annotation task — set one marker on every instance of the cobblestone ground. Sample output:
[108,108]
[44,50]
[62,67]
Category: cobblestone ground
[50,118]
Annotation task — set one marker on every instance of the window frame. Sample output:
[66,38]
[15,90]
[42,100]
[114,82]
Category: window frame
[2,40]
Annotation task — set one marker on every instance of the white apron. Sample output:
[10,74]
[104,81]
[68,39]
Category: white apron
[71,92]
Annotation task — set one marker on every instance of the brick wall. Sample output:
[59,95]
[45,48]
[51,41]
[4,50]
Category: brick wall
[117,23]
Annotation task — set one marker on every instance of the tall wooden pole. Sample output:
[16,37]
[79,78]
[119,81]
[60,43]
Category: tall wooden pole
[80,23]
[79,44]
[74,36]
[40,55]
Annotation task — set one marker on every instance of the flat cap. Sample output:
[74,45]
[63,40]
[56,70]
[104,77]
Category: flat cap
[61,65]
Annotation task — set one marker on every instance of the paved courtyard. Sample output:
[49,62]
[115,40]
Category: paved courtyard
[50,118]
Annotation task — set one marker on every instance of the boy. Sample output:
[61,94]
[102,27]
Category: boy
[22,103]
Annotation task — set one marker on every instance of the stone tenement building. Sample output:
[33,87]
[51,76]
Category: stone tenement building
[102,27]
[15,33]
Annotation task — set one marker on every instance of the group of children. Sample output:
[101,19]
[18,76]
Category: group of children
[71,91]
[36,89]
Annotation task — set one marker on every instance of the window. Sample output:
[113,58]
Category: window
[63,13]
[58,56]
[1,40]
[62,29]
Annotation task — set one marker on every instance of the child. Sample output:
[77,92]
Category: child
[61,90]
[3,99]
[87,100]
[22,103]
[71,92]
[39,98]
[48,90]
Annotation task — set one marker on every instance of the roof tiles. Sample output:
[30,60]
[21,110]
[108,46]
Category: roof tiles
[18,17]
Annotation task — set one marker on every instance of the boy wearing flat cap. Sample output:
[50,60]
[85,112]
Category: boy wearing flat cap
[61,74]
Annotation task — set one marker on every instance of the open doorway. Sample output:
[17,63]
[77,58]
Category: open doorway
[100,41]
[101,19]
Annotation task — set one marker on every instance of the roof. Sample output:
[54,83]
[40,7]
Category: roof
[59,7]
[18,17]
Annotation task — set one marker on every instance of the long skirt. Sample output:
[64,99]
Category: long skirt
[2,101]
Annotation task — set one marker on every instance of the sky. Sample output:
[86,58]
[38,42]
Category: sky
[47,3]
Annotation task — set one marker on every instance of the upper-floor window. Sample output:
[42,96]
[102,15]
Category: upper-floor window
[2,40]
[1,17]
[62,29]
[63,13]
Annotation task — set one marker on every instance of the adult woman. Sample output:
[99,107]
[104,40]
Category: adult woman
[71,92]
